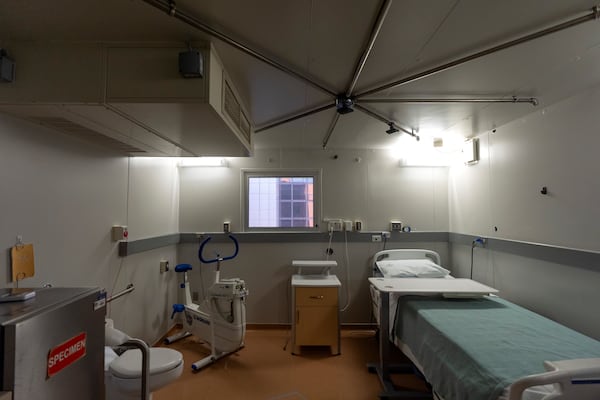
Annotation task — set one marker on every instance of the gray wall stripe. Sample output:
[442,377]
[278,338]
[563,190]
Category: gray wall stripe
[127,248]
[555,254]
[141,245]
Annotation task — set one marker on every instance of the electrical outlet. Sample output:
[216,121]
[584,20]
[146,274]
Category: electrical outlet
[395,226]
[335,225]
[164,266]
[347,226]
[375,238]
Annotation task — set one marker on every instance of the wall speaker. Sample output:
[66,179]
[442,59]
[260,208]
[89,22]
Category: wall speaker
[191,64]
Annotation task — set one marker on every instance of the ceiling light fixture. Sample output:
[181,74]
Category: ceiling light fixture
[203,162]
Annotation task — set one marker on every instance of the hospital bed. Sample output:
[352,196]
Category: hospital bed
[472,346]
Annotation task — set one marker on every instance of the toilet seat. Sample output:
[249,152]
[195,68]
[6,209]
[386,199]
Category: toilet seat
[129,364]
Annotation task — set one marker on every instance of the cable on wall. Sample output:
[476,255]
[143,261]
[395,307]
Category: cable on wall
[480,241]
[347,273]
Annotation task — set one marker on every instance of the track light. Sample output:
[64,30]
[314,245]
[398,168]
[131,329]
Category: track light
[392,129]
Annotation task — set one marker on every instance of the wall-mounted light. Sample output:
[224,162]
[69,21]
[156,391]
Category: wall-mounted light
[471,151]
[203,162]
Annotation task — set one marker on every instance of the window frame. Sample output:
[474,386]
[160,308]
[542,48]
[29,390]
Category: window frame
[316,174]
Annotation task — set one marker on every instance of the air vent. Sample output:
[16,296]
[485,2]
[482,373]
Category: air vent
[231,105]
[73,129]
[231,108]
[245,126]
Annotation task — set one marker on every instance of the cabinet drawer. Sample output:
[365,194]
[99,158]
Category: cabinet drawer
[316,296]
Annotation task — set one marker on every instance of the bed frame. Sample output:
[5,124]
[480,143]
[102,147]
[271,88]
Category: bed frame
[572,379]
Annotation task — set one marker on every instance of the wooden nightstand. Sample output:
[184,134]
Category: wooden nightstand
[315,312]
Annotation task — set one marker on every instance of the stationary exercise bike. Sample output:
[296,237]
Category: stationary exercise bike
[221,319]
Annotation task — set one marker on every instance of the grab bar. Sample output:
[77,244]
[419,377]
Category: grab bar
[140,344]
[128,289]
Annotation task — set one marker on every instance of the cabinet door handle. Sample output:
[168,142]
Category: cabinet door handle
[316,297]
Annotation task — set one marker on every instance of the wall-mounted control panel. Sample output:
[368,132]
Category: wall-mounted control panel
[119,232]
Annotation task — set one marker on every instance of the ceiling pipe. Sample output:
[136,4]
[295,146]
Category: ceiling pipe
[170,8]
[330,130]
[383,11]
[347,102]
[592,15]
[294,117]
[531,100]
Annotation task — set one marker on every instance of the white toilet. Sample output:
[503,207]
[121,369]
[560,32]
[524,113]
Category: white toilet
[123,374]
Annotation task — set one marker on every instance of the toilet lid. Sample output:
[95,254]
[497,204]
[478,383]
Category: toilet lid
[129,364]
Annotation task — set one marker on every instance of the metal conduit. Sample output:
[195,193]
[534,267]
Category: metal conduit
[532,100]
[170,8]
[294,117]
[385,7]
[330,130]
[593,14]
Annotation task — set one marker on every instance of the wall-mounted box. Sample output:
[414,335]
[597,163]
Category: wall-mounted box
[119,232]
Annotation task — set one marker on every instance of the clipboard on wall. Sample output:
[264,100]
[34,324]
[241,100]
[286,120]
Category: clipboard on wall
[22,262]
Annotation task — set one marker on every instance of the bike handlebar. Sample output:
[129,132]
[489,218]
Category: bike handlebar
[201,250]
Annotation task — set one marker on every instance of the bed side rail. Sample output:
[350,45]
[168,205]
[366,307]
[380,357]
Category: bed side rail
[572,379]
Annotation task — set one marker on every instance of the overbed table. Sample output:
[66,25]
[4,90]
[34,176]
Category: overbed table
[411,286]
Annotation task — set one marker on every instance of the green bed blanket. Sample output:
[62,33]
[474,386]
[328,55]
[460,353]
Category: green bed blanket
[473,349]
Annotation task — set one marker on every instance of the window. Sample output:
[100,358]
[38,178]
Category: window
[282,200]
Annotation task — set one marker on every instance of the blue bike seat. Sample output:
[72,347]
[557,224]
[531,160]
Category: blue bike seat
[182,267]
[177,308]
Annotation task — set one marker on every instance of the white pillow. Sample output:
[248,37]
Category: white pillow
[417,268]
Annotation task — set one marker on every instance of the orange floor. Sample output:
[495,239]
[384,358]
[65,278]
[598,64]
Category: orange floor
[264,370]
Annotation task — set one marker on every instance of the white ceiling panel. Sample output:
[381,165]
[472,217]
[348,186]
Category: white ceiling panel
[323,41]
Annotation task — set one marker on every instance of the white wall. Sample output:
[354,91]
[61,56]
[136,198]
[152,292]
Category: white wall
[374,190]
[63,195]
[555,147]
